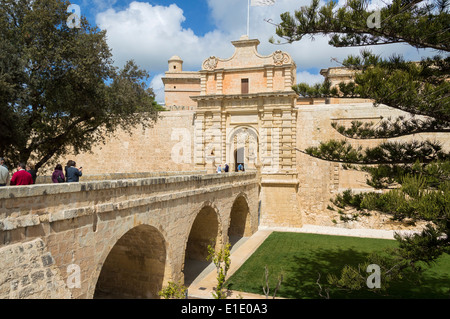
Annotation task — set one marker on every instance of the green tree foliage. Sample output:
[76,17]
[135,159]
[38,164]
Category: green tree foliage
[222,261]
[59,89]
[413,176]
[173,291]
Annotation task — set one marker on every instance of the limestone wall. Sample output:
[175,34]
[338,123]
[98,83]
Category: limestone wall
[28,270]
[319,180]
[178,87]
[154,149]
[44,229]
[117,176]
[169,146]
[279,204]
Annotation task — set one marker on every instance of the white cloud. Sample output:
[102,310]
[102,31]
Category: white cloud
[158,87]
[152,34]
[148,34]
[306,77]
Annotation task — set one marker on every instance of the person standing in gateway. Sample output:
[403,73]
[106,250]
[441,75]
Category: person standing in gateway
[72,173]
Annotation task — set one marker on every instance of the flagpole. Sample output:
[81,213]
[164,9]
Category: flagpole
[248,19]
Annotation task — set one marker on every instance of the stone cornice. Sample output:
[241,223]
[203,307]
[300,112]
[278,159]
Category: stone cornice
[181,79]
[208,97]
[248,69]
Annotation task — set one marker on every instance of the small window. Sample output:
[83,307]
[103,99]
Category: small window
[244,86]
[174,67]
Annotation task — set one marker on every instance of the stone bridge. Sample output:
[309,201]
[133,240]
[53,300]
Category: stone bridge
[121,238]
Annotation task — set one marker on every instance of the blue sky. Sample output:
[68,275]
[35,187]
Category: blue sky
[150,32]
[196,12]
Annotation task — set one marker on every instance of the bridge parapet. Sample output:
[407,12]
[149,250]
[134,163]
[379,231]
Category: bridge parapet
[155,225]
[29,206]
[116,176]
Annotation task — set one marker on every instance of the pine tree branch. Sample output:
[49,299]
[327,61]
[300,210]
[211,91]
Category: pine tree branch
[385,129]
[352,21]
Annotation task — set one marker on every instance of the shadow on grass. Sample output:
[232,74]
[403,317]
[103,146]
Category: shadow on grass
[301,278]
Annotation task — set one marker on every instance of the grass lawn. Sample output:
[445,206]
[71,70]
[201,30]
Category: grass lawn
[303,256]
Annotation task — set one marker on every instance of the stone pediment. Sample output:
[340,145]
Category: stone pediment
[246,56]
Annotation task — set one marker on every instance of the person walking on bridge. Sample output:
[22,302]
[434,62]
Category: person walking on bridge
[21,177]
[72,173]
[4,175]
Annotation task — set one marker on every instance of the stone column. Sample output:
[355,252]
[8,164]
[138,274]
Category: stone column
[199,152]
[279,183]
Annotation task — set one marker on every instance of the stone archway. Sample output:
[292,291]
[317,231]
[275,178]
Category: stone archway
[134,267]
[243,147]
[240,225]
[204,231]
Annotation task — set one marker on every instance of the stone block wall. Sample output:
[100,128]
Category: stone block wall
[280,205]
[152,150]
[179,87]
[117,176]
[46,228]
[320,180]
[28,271]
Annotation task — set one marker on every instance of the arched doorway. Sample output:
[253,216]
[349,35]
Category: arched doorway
[204,231]
[134,267]
[239,220]
[243,148]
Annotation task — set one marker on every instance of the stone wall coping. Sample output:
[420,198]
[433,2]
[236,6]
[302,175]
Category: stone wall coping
[9,192]
[279,182]
[171,114]
[289,94]
[116,176]
[325,107]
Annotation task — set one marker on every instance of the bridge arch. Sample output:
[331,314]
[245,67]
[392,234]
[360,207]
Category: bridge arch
[240,220]
[205,229]
[134,267]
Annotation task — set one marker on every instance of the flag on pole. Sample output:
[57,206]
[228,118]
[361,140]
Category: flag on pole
[255,3]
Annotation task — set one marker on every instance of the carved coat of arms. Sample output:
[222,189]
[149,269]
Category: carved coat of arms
[210,63]
[280,57]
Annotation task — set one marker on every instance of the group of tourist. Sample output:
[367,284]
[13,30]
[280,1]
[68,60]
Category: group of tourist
[72,173]
[26,174]
[223,169]
[226,168]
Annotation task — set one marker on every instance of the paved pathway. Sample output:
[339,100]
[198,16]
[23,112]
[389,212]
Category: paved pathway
[202,286]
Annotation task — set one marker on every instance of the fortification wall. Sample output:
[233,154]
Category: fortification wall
[320,180]
[149,150]
[160,149]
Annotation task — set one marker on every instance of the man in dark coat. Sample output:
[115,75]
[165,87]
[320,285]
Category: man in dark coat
[72,173]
